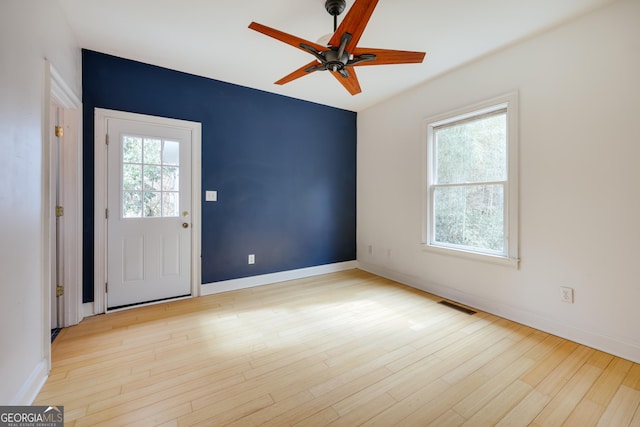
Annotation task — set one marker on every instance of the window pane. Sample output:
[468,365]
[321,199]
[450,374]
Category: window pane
[131,149]
[170,178]
[471,216]
[170,204]
[472,151]
[152,150]
[152,177]
[131,204]
[171,153]
[131,177]
[152,204]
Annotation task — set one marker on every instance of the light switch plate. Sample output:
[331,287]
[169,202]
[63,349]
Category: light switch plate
[211,196]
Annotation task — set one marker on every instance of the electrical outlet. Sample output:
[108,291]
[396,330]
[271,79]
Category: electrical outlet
[252,259]
[370,249]
[566,294]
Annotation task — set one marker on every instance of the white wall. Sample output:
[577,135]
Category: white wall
[30,31]
[579,87]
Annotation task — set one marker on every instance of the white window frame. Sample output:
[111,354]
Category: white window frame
[508,102]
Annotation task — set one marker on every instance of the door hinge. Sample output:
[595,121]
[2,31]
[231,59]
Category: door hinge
[59,211]
[59,131]
[106,213]
[106,139]
[59,290]
[106,287]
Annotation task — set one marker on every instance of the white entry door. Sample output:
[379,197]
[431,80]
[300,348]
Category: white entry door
[149,212]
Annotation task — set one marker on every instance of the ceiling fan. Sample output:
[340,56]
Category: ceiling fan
[342,54]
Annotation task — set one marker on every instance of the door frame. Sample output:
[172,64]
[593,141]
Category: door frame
[57,90]
[101,116]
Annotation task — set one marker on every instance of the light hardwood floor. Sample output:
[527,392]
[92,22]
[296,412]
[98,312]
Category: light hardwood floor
[347,349]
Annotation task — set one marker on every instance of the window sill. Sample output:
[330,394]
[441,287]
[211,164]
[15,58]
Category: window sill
[475,256]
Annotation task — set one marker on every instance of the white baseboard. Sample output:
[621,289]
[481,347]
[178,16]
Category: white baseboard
[30,389]
[609,344]
[87,310]
[266,279]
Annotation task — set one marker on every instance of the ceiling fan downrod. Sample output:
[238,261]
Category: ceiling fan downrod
[335,8]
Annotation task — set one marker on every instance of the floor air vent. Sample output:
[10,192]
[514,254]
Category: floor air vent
[457,307]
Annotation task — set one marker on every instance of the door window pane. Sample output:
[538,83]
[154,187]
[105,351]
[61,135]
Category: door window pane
[171,153]
[131,149]
[132,204]
[152,150]
[170,206]
[152,204]
[152,177]
[170,178]
[131,177]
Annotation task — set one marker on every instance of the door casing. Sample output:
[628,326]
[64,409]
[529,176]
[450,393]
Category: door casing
[100,197]
[57,91]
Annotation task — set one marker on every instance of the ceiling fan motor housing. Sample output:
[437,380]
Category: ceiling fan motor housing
[334,62]
[335,7]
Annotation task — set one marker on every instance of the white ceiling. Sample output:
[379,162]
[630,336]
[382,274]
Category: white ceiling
[210,38]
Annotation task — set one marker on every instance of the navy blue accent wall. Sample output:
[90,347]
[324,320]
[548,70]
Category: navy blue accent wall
[284,169]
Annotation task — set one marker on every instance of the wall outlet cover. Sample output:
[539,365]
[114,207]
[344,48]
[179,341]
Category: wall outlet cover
[566,294]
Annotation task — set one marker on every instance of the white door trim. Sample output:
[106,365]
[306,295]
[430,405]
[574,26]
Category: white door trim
[57,90]
[71,184]
[100,197]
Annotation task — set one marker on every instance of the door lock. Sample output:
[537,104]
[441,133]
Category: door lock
[185,225]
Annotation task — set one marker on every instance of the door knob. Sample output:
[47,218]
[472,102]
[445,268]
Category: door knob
[185,225]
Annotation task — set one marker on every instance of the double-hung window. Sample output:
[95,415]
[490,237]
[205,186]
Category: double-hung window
[471,174]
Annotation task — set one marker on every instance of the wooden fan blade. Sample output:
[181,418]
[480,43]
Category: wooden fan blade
[285,38]
[386,56]
[354,23]
[350,83]
[300,72]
